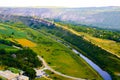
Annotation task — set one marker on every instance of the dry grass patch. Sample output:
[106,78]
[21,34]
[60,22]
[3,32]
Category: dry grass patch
[25,42]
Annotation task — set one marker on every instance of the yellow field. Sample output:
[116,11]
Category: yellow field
[25,42]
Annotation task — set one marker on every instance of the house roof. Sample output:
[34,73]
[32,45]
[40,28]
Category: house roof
[22,77]
[8,74]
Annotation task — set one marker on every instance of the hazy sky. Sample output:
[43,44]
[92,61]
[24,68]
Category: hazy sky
[59,3]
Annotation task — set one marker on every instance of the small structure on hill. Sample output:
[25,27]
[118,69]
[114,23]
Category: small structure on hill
[12,76]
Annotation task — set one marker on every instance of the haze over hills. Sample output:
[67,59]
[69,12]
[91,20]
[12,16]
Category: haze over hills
[103,17]
[62,43]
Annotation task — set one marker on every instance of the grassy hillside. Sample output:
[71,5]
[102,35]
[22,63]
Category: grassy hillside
[105,39]
[101,57]
[83,41]
[55,54]
[53,76]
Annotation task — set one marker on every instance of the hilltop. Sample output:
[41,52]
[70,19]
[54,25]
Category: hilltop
[103,17]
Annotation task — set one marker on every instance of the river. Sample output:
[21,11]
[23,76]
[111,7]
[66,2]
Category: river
[101,72]
[105,75]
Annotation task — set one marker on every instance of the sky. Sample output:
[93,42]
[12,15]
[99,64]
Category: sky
[58,3]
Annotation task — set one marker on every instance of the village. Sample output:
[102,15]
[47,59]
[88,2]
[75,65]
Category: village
[9,75]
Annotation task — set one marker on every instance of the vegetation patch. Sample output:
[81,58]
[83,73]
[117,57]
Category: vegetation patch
[2,28]
[26,42]
[2,78]
[24,60]
[14,70]
[108,45]
[65,61]
[104,59]
[11,32]
[2,67]
[54,76]
[107,40]
[55,54]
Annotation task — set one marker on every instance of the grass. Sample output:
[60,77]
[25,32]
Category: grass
[25,42]
[2,28]
[55,76]
[55,54]
[3,46]
[7,48]
[14,70]
[65,61]
[9,31]
[109,45]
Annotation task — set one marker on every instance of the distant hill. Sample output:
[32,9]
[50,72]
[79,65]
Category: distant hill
[103,17]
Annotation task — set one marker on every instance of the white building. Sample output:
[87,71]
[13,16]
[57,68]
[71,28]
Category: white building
[21,77]
[12,76]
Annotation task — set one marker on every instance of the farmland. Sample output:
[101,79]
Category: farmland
[80,39]
[7,31]
[61,44]
[55,54]
[100,56]
[25,42]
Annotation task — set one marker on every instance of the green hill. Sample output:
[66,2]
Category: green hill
[57,56]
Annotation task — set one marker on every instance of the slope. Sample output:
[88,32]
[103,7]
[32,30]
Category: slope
[55,54]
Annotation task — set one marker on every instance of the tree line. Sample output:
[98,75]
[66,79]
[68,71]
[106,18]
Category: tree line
[24,60]
[95,32]
[104,59]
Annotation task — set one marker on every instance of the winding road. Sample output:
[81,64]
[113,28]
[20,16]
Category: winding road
[52,70]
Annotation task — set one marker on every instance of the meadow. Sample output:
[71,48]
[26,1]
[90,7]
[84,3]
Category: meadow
[55,54]
[106,44]
[103,52]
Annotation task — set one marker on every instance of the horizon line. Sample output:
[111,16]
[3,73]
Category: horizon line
[53,6]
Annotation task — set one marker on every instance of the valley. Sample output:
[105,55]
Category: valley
[55,54]
[86,46]
[59,47]
[109,45]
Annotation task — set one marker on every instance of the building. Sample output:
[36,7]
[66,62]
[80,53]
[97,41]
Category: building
[12,76]
[8,75]
[22,77]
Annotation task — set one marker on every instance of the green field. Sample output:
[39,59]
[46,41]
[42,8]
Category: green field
[109,45]
[103,52]
[14,70]
[7,31]
[55,54]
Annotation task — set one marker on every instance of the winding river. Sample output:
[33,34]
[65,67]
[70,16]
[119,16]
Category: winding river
[105,75]
[101,72]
